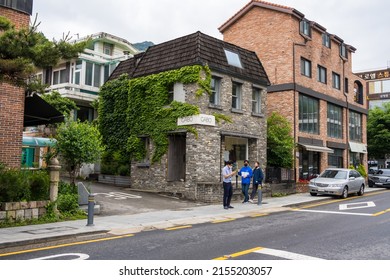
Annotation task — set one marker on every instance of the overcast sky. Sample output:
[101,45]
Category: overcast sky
[360,23]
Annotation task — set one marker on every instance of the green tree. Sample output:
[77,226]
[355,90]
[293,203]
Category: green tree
[280,143]
[78,143]
[62,104]
[22,50]
[378,131]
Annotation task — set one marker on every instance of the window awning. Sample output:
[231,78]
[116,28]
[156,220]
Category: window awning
[358,147]
[37,141]
[320,149]
[37,112]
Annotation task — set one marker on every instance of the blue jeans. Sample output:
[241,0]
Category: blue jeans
[245,188]
[227,193]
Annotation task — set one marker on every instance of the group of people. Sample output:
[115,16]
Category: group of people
[246,174]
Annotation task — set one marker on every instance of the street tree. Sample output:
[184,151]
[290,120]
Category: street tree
[24,50]
[280,143]
[77,143]
[378,132]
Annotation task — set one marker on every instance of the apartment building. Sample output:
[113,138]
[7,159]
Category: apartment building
[313,85]
[79,79]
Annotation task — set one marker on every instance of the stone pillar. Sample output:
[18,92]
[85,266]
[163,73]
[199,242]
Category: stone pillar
[54,170]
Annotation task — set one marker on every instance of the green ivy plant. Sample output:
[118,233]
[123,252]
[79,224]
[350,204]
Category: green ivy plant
[130,108]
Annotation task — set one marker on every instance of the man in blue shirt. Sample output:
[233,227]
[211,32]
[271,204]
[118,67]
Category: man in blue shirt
[227,174]
[246,175]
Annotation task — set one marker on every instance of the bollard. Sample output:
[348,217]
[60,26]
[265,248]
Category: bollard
[91,206]
[259,196]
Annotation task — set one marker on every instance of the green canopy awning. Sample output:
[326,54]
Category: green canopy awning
[38,141]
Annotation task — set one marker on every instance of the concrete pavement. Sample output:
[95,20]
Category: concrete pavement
[161,219]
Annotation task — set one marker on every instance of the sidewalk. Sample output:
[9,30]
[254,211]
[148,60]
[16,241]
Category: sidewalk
[128,224]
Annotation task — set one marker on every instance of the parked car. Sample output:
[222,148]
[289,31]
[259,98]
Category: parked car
[381,178]
[338,181]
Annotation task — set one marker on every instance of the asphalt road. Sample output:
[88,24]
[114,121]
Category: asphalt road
[353,229]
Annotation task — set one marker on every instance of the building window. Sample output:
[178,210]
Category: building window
[336,159]
[92,74]
[343,51]
[309,164]
[335,80]
[326,40]
[346,87]
[335,121]
[355,126]
[77,72]
[305,67]
[215,90]
[256,100]
[84,114]
[60,77]
[322,74]
[108,49]
[305,28]
[308,114]
[233,59]
[236,96]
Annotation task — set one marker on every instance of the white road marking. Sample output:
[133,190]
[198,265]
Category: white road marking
[357,205]
[333,212]
[118,195]
[285,254]
[78,256]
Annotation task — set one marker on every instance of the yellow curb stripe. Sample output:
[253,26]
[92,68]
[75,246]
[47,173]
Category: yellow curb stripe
[222,221]
[180,227]
[238,254]
[259,215]
[65,245]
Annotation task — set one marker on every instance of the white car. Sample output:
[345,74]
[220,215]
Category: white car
[338,181]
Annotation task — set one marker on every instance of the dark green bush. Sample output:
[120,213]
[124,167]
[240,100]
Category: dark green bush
[67,202]
[23,185]
[66,188]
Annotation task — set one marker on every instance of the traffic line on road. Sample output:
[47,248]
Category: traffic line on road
[64,245]
[381,212]
[177,228]
[332,212]
[271,252]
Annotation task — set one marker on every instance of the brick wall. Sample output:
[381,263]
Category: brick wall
[12,106]
[275,38]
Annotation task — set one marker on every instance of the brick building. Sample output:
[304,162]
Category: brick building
[192,166]
[12,99]
[312,84]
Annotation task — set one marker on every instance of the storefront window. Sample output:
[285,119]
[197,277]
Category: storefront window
[236,150]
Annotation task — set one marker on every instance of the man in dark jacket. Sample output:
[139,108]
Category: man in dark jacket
[258,177]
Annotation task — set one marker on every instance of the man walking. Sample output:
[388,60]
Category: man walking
[246,175]
[227,174]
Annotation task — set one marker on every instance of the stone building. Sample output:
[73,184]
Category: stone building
[192,166]
[313,85]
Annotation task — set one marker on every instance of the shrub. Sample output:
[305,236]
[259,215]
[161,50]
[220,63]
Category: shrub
[13,186]
[67,202]
[39,182]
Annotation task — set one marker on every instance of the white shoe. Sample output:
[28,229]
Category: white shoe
[250,200]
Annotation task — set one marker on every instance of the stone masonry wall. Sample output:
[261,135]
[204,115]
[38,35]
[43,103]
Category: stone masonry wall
[204,154]
[22,210]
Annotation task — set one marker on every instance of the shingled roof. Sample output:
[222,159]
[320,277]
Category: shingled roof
[193,49]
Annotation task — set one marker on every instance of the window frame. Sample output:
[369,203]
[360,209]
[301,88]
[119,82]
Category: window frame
[326,41]
[334,121]
[355,126]
[305,28]
[336,81]
[321,69]
[215,96]
[343,51]
[306,67]
[236,95]
[233,58]
[309,114]
[256,100]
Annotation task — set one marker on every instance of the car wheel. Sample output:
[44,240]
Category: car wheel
[345,193]
[361,191]
[313,194]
